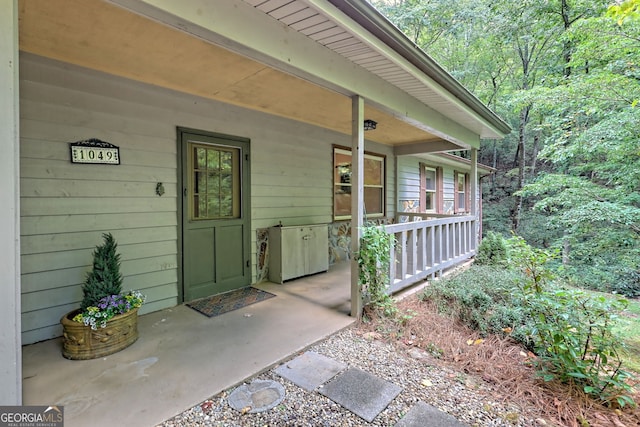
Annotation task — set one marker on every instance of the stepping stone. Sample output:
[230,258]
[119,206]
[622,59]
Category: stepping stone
[258,396]
[422,415]
[310,370]
[360,392]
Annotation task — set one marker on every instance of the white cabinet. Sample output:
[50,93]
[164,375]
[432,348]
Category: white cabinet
[297,251]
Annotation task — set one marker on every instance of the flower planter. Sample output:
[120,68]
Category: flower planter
[80,342]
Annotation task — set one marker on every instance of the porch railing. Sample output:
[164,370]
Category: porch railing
[427,244]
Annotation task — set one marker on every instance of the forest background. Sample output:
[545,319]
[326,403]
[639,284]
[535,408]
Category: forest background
[565,74]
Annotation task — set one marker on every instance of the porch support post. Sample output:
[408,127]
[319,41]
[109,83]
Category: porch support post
[10,340]
[475,193]
[357,198]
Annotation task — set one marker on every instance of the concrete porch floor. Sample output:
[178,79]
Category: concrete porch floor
[183,357]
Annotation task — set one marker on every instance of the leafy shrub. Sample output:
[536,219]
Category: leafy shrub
[571,331]
[492,250]
[573,337]
[611,279]
[532,262]
[482,297]
[373,262]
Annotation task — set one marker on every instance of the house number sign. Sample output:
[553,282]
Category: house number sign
[94,151]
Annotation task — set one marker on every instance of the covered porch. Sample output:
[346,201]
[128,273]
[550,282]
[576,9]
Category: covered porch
[183,357]
[295,78]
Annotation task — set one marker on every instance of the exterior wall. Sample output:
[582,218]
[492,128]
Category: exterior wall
[409,183]
[339,231]
[66,207]
[10,349]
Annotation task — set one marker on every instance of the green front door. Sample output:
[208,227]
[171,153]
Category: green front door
[215,214]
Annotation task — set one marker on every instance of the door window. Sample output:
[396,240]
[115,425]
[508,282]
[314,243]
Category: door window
[215,175]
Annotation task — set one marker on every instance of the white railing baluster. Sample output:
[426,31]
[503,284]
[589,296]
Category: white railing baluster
[412,252]
[403,261]
[424,248]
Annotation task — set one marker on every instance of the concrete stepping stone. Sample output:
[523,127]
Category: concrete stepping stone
[257,396]
[423,415]
[310,370]
[360,392]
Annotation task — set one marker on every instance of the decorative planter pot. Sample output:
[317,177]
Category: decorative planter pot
[80,342]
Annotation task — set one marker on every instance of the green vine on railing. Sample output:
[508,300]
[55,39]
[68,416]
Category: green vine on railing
[374,259]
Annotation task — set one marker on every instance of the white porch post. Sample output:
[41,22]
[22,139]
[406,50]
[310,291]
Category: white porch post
[357,197]
[473,182]
[10,341]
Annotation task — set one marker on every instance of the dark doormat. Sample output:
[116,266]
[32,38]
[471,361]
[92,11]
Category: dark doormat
[229,301]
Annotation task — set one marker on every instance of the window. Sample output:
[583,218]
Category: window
[461,190]
[215,182]
[430,189]
[374,184]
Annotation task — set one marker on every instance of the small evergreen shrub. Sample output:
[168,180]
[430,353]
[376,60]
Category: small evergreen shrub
[104,279]
[492,250]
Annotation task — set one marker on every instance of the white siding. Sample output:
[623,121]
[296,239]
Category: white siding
[66,207]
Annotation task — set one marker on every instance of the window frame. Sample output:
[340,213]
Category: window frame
[339,149]
[438,192]
[456,193]
[235,174]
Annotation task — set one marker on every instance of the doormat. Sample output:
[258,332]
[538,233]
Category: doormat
[223,303]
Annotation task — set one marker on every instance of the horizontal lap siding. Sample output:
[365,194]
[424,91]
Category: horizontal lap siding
[291,180]
[66,207]
[409,178]
[292,175]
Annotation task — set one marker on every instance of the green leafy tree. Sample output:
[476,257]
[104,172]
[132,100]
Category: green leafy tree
[629,9]
[565,74]
[592,196]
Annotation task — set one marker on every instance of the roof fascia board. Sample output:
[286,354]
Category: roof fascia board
[243,29]
[369,18]
[424,147]
[453,160]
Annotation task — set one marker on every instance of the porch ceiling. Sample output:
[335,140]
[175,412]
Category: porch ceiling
[301,59]
[108,38]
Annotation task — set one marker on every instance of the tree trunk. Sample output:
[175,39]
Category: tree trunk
[566,248]
[493,164]
[524,118]
[534,153]
[567,48]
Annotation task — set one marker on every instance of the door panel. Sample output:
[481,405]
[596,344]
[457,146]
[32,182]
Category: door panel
[318,246]
[215,214]
[228,244]
[199,271]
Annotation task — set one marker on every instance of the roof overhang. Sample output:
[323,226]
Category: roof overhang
[301,59]
[455,161]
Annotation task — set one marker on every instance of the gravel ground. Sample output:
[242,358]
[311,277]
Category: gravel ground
[465,397]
